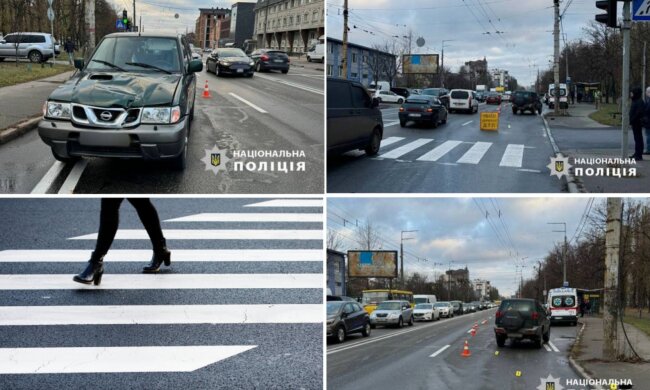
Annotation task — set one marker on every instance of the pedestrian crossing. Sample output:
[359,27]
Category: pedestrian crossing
[238,325]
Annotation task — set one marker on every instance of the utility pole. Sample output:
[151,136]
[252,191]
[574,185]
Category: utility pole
[556,59]
[89,18]
[442,66]
[564,250]
[344,63]
[401,252]
[644,68]
[610,301]
[134,19]
[627,25]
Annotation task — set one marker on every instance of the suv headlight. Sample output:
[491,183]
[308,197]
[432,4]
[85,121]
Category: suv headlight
[225,63]
[392,316]
[161,114]
[57,110]
[252,63]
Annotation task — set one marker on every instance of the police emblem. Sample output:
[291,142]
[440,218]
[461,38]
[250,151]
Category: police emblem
[215,160]
[559,166]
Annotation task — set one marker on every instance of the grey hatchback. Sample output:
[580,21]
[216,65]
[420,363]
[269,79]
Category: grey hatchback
[392,313]
[520,319]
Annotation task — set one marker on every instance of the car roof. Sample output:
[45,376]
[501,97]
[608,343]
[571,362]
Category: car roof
[518,300]
[146,35]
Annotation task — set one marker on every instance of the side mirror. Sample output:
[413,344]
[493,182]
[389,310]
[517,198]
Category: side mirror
[195,66]
[375,103]
[344,315]
[3,41]
[79,63]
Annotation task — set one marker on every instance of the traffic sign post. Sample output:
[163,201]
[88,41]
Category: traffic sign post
[489,121]
[50,17]
[641,10]
[119,24]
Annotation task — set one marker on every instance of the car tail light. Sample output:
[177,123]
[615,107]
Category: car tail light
[288,60]
[264,57]
[535,316]
[429,109]
[498,314]
[401,109]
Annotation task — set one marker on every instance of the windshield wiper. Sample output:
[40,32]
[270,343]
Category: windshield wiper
[143,65]
[109,64]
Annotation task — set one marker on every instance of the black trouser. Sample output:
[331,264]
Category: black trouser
[109,220]
[638,140]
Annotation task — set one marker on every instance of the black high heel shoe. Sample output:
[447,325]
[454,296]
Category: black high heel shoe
[93,272]
[162,255]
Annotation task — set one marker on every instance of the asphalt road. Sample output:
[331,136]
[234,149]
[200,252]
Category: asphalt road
[230,313]
[269,112]
[428,356]
[456,157]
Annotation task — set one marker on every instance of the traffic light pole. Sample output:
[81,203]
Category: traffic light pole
[627,24]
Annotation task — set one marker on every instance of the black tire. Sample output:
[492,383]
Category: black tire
[402,123]
[379,99]
[179,162]
[400,323]
[501,341]
[339,336]
[374,143]
[373,326]
[366,330]
[216,70]
[2,59]
[538,342]
[444,121]
[285,71]
[547,335]
[434,122]
[65,159]
[411,320]
[35,56]
[249,75]
[258,67]
[192,113]
[400,101]
[308,59]
[514,111]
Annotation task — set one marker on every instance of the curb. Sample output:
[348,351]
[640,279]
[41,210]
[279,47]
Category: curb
[16,131]
[575,365]
[571,181]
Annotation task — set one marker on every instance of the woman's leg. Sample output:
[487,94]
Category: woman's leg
[149,217]
[638,142]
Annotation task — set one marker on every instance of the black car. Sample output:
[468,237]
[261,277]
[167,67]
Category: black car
[458,307]
[134,98]
[519,319]
[230,60]
[401,91]
[354,120]
[422,109]
[344,318]
[526,101]
[441,93]
[270,59]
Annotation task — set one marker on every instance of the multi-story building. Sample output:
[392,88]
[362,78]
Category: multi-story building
[242,22]
[482,287]
[290,25]
[477,70]
[207,30]
[456,276]
[336,272]
[364,64]
[500,77]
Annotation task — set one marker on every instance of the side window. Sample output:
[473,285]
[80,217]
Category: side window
[338,95]
[25,38]
[360,97]
[357,307]
[38,38]
[11,38]
[187,56]
[348,309]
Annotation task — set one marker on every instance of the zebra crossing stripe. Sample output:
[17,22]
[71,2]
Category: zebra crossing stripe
[402,150]
[163,281]
[250,217]
[475,153]
[178,255]
[438,152]
[72,360]
[288,203]
[390,141]
[513,156]
[161,314]
[214,234]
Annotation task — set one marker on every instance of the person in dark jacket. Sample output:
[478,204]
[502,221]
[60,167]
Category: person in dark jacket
[637,111]
[69,48]
[108,223]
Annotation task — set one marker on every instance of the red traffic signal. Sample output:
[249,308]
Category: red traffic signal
[610,7]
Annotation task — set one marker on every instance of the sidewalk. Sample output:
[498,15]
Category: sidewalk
[301,62]
[587,353]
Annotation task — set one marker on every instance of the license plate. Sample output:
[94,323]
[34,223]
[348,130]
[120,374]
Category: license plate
[558,318]
[458,104]
[240,70]
[278,61]
[518,335]
[415,115]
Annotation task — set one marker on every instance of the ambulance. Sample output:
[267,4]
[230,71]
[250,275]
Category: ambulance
[563,303]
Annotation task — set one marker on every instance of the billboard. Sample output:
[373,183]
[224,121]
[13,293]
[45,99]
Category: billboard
[372,264]
[420,63]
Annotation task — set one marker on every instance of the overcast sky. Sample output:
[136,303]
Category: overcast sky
[456,229]
[527,26]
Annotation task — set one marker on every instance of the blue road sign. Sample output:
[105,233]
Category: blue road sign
[119,24]
[641,10]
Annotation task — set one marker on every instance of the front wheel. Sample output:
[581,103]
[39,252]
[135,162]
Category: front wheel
[216,70]
[374,143]
[35,56]
[258,67]
[366,330]
[340,334]
[411,321]
[400,323]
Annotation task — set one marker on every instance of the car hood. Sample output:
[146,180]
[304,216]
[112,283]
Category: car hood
[236,59]
[119,89]
[386,311]
[423,311]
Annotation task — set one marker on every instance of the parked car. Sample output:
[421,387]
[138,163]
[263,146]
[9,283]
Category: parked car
[480,96]
[394,313]
[270,59]
[344,318]
[463,100]
[478,305]
[520,319]
[523,101]
[426,312]
[316,53]
[422,109]
[505,97]
[458,307]
[354,120]
[445,308]
[133,99]
[388,97]
[229,60]
[468,307]
[441,93]
[403,92]
[493,98]
[35,46]
[339,298]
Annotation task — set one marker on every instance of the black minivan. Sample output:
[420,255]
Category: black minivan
[354,120]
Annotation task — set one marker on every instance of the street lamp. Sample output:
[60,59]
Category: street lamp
[564,281]
[401,250]
[442,66]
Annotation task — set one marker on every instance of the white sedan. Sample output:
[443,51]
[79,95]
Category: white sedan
[389,97]
[426,312]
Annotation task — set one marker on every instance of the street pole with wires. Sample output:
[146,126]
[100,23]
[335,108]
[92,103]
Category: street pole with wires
[610,301]
[344,51]
[401,250]
[564,250]
[556,58]
[627,25]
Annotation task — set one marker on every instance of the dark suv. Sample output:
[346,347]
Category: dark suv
[441,93]
[526,101]
[354,120]
[345,317]
[133,99]
[520,319]
[458,307]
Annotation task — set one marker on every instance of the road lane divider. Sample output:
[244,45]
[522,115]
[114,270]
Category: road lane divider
[546,347]
[467,123]
[241,99]
[553,346]
[250,217]
[292,84]
[72,180]
[288,203]
[438,352]
[49,178]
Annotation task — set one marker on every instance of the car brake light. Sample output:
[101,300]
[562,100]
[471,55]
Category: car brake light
[429,109]
[498,314]
[401,109]
[265,57]
[535,316]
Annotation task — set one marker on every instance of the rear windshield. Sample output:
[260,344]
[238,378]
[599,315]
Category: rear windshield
[459,94]
[563,301]
[424,306]
[516,305]
[442,304]
[389,306]
[419,100]
[432,92]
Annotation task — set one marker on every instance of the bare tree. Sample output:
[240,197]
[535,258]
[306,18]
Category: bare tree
[334,240]
[366,236]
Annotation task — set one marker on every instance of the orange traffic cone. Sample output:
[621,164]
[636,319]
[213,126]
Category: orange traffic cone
[206,90]
[466,351]
[475,325]
[483,322]
[473,332]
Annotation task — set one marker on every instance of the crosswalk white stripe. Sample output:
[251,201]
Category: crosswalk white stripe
[160,314]
[163,281]
[288,203]
[547,347]
[438,152]
[513,156]
[553,346]
[439,351]
[390,141]
[214,234]
[178,255]
[250,217]
[402,150]
[69,360]
[475,153]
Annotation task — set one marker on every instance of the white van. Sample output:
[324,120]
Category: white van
[424,299]
[463,100]
[316,53]
[563,303]
[564,102]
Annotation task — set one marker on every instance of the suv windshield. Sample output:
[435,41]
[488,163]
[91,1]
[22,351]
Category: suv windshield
[424,306]
[388,306]
[231,53]
[333,307]
[119,52]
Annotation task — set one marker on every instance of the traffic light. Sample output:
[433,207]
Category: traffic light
[125,19]
[608,18]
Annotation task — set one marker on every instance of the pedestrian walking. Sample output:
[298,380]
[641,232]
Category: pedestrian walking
[647,120]
[583,306]
[108,223]
[637,111]
[69,48]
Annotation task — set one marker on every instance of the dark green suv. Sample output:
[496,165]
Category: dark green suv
[134,98]
[520,319]
[526,101]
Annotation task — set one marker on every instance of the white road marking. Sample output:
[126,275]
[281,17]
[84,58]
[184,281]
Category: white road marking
[390,140]
[160,314]
[439,351]
[214,234]
[288,203]
[247,102]
[529,170]
[547,347]
[48,179]
[250,217]
[291,84]
[513,156]
[70,360]
[467,123]
[163,281]
[553,346]
[72,180]
[402,150]
[178,255]
[389,124]
[440,151]
[475,153]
